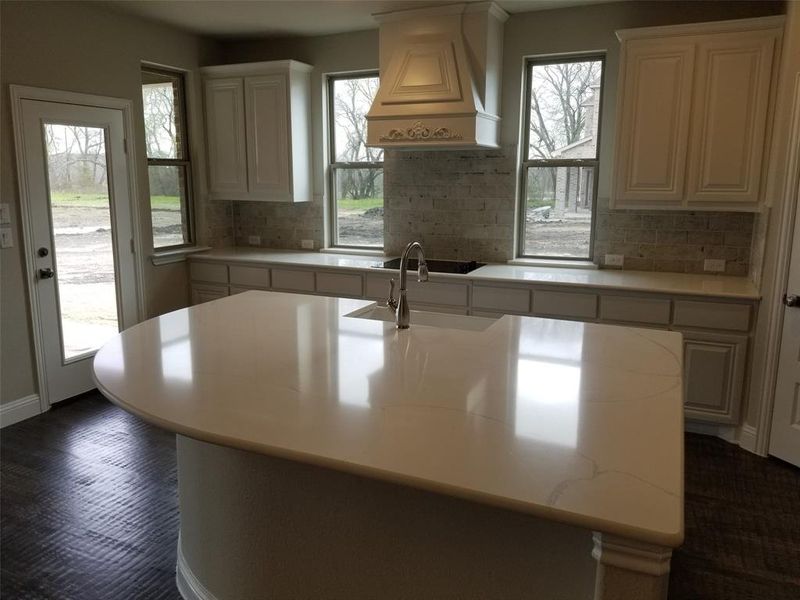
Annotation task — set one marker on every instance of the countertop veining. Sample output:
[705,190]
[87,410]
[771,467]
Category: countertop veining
[575,422]
[718,286]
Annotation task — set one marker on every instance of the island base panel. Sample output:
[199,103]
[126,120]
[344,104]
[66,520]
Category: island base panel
[254,526]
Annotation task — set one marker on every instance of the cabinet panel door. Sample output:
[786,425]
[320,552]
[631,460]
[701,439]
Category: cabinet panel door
[268,138]
[713,375]
[654,123]
[227,154]
[734,72]
[206,293]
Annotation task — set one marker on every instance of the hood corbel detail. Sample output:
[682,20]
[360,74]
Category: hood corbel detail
[440,78]
[422,133]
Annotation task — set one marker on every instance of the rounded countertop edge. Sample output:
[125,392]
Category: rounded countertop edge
[671,539]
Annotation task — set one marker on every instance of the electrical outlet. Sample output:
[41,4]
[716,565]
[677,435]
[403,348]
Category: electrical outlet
[614,260]
[254,240]
[714,265]
[5,213]
[307,244]
[6,238]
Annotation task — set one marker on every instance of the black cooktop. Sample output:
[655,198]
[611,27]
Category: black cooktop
[436,266]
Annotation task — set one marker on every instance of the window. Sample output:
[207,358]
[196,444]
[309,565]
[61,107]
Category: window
[168,166]
[356,172]
[559,169]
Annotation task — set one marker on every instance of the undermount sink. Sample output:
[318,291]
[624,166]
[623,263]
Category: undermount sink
[376,312]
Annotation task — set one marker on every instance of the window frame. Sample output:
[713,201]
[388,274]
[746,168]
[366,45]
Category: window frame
[185,163]
[526,163]
[334,165]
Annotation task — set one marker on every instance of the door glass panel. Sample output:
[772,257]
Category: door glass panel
[83,254]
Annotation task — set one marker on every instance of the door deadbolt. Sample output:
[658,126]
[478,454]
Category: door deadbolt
[791,300]
[47,273]
[43,252]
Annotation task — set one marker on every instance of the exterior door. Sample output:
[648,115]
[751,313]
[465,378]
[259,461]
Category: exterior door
[75,165]
[785,434]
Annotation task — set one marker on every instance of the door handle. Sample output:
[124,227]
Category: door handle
[47,273]
[791,300]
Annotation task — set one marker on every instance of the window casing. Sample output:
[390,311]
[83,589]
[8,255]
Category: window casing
[168,161]
[355,171]
[560,157]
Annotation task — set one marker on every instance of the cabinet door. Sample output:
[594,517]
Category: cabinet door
[653,123]
[714,367]
[268,167]
[734,73]
[227,154]
[206,293]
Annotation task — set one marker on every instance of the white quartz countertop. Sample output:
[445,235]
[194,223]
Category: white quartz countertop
[579,423]
[717,286]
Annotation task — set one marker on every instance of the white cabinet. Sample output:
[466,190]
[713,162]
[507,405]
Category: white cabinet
[258,128]
[207,292]
[692,118]
[714,368]
[734,73]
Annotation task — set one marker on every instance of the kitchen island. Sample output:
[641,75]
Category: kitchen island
[322,454]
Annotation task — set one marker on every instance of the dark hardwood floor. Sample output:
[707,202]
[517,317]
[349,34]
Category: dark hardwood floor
[88,510]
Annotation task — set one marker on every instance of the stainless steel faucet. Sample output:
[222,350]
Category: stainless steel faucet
[400,306]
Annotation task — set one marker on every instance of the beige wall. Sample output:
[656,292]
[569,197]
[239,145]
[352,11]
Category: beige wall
[91,49]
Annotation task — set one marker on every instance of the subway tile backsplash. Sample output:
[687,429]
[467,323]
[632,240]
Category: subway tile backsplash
[460,205]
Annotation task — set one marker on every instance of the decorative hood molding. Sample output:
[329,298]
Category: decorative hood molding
[440,78]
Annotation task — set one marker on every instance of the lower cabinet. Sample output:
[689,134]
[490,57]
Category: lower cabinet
[207,292]
[715,331]
[714,370]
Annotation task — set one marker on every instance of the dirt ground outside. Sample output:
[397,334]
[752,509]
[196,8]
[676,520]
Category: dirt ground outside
[85,271]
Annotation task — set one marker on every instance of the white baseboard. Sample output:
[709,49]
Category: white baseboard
[725,432]
[744,436]
[19,410]
[189,586]
[747,438]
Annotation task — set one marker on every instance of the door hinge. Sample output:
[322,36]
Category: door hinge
[133,247]
[125,145]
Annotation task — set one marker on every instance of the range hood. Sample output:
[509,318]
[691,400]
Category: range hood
[440,78]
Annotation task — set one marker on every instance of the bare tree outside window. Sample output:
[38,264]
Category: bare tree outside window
[356,170]
[167,157]
[560,167]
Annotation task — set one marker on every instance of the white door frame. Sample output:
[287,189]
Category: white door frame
[18,94]
[775,312]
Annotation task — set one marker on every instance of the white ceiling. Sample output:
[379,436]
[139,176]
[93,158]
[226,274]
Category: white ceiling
[249,18]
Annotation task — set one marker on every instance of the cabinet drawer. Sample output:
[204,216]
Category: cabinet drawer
[291,280]
[634,310]
[249,276]
[501,299]
[565,304]
[434,292]
[430,292]
[211,272]
[339,284]
[712,315]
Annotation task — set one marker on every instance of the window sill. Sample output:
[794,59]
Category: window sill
[173,256]
[548,262]
[358,251]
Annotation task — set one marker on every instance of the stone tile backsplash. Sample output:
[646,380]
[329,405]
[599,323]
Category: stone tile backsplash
[675,241]
[460,205]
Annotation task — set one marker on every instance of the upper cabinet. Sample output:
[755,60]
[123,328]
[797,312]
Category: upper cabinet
[693,115]
[258,131]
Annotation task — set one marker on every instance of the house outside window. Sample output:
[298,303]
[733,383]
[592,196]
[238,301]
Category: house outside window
[561,157]
[356,171]
[168,161]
